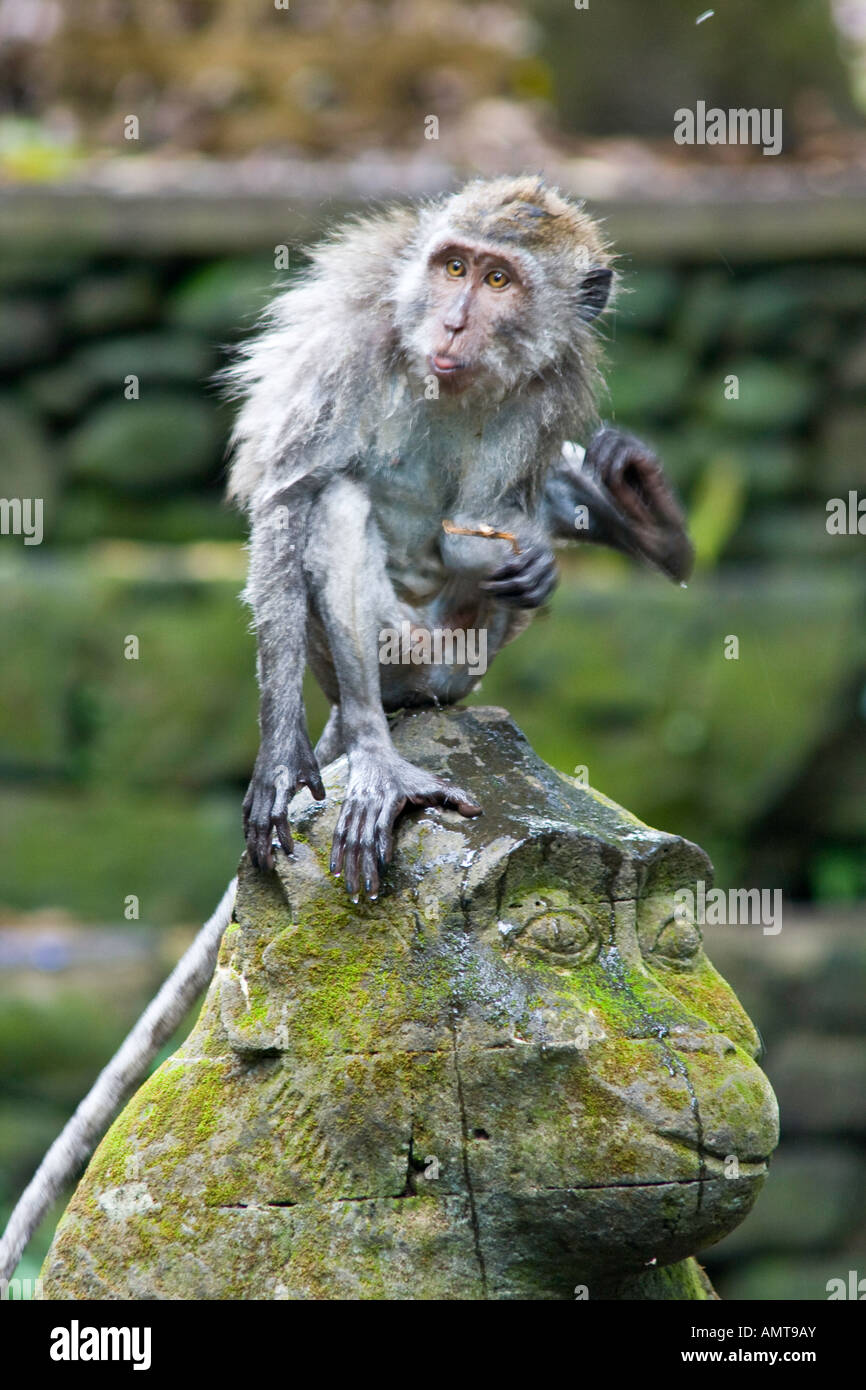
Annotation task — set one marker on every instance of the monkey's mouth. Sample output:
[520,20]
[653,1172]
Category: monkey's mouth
[445,367]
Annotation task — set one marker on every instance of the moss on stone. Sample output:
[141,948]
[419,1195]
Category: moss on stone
[373,1094]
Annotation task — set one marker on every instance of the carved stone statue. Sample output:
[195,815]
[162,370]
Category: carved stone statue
[516,1075]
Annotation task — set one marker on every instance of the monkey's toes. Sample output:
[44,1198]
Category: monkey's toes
[452,798]
[260,841]
[265,816]
[363,843]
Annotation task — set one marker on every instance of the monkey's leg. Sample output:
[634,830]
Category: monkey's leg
[619,496]
[276,590]
[353,600]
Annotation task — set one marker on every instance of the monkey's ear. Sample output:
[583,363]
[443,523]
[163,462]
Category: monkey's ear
[595,292]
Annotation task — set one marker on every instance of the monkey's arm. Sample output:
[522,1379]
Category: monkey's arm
[618,496]
[276,591]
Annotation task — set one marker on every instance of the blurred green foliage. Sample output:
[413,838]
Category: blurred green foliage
[222,76]
[338,77]
[626,67]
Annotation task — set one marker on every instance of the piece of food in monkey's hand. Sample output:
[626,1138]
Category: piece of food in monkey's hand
[526,581]
[487,533]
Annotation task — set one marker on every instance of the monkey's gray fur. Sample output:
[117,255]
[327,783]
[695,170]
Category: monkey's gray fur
[326,378]
[348,461]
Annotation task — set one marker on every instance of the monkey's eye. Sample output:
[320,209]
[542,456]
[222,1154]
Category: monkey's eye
[497,279]
[455,268]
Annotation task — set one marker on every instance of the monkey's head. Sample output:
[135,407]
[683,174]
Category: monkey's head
[499,287]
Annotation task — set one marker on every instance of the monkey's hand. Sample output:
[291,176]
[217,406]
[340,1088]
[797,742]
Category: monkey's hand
[526,580]
[654,526]
[274,782]
[377,792]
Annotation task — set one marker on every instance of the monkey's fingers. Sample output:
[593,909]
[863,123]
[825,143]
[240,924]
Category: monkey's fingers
[358,854]
[259,836]
[533,559]
[628,482]
[360,863]
[639,487]
[351,868]
[460,801]
[265,815]
[524,582]
[634,476]
[349,837]
[604,447]
[251,805]
[363,843]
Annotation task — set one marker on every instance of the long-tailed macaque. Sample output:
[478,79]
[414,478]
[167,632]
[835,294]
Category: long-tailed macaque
[407,453]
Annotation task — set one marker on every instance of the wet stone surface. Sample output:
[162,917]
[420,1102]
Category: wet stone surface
[514,1076]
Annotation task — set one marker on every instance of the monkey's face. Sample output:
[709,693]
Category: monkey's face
[497,289]
[475,308]
[484,317]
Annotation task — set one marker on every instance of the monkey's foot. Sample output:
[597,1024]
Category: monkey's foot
[274,782]
[379,789]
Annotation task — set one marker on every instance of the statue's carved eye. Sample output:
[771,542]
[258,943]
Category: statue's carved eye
[562,937]
[677,942]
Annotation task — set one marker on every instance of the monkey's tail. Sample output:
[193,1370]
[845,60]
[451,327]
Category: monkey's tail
[82,1133]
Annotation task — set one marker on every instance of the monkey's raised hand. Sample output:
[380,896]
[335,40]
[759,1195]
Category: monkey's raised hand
[624,499]
[526,580]
[635,479]
[379,789]
[274,782]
